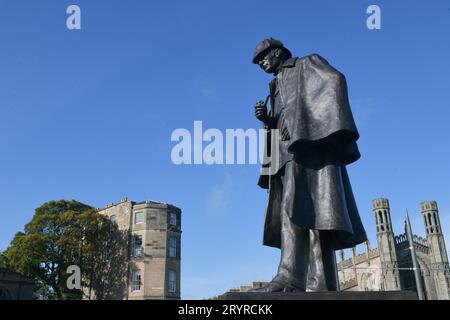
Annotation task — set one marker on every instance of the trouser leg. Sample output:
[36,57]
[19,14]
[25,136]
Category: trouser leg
[294,260]
[322,272]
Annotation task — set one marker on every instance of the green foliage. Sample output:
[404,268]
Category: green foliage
[102,253]
[64,233]
[4,263]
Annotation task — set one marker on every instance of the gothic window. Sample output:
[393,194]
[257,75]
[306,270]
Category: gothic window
[429,219]
[380,216]
[113,219]
[435,220]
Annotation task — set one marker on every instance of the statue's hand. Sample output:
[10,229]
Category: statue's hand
[261,111]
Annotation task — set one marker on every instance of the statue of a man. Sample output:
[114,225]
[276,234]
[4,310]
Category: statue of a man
[311,211]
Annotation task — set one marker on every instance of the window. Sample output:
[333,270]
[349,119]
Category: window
[113,219]
[172,285]
[136,280]
[138,217]
[172,247]
[173,219]
[138,246]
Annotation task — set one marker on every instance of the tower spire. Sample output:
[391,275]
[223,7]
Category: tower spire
[417,277]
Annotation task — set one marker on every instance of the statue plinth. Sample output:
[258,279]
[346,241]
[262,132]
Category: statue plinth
[330,295]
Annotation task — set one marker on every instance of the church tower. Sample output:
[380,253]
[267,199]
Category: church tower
[438,252]
[386,245]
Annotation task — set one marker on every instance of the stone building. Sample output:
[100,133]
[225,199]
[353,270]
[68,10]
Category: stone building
[14,286]
[389,266]
[154,246]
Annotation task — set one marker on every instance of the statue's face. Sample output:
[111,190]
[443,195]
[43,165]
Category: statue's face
[270,61]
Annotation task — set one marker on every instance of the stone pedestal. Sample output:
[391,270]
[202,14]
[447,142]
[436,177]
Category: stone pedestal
[344,295]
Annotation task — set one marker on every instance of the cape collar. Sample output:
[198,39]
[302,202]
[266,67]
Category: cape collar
[289,63]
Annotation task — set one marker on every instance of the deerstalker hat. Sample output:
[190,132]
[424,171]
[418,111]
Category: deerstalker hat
[268,43]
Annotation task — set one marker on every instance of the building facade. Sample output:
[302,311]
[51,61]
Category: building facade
[154,247]
[389,266]
[14,286]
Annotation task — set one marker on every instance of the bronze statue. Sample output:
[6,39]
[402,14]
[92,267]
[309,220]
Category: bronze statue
[311,210]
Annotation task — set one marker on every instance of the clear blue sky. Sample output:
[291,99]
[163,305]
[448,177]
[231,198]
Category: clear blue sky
[88,114]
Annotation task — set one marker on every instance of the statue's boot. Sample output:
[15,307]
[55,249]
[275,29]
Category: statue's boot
[293,267]
[307,262]
[278,284]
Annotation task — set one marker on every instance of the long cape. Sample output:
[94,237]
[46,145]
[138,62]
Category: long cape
[316,109]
